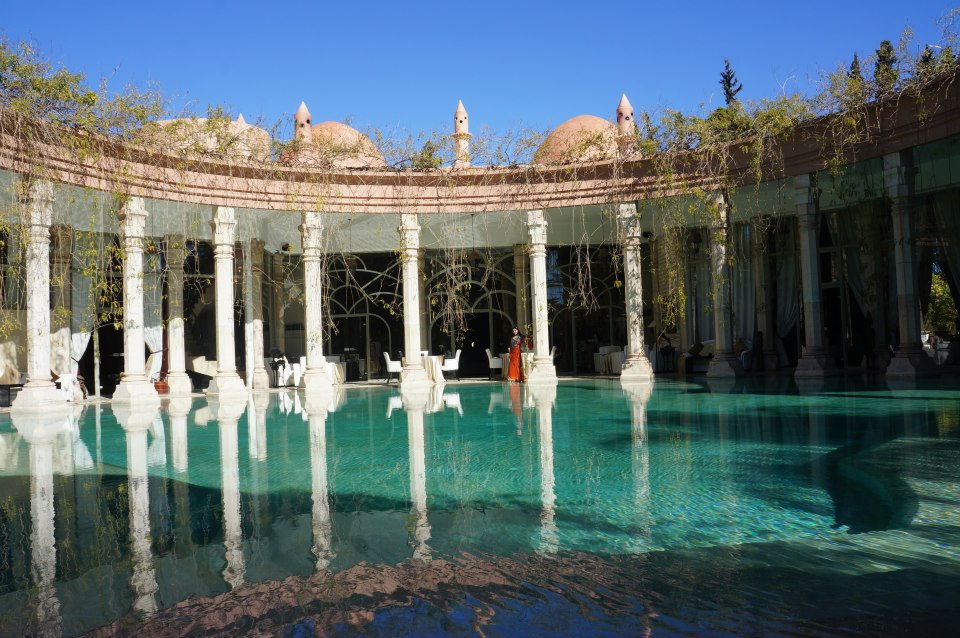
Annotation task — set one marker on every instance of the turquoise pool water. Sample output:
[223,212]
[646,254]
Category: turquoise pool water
[483,509]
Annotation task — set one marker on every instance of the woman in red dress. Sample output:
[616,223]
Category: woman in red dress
[515,370]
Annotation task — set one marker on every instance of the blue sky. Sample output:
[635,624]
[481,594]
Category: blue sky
[401,67]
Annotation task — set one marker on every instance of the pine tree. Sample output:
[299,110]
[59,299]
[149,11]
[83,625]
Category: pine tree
[854,73]
[926,66]
[728,80]
[885,74]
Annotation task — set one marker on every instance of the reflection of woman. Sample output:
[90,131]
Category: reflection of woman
[515,371]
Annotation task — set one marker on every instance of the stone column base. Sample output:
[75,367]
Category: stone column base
[314,382]
[135,390]
[542,372]
[414,378]
[815,364]
[261,380]
[724,366]
[38,396]
[227,385]
[911,363]
[179,383]
[636,370]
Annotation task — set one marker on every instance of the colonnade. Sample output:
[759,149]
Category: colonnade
[39,389]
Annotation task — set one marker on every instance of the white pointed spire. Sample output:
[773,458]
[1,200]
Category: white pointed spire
[461,135]
[240,119]
[301,123]
[626,125]
[461,122]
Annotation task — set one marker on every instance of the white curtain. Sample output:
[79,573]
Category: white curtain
[153,313]
[849,230]
[81,317]
[699,284]
[788,302]
[744,285]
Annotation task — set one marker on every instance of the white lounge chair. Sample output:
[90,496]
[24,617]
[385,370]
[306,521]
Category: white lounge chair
[495,363]
[452,365]
[392,367]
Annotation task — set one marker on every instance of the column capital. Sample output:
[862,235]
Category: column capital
[410,234]
[898,174]
[133,219]
[805,190]
[311,234]
[224,225]
[628,218]
[37,200]
[537,228]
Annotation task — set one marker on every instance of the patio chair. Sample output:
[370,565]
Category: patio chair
[495,363]
[392,367]
[452,365]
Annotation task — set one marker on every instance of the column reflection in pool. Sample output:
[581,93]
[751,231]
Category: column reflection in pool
[257,449]
[544,396]
[228,414]
[179,408]
[136,424]
[40,433]
[639,395]
[414,403]
[322,528]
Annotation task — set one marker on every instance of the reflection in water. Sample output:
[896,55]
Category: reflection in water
[544,398]
[179,408]
[143,581]
[639,395]
[322,528]
[41,438]
[414,404]
[678,506]
[228,415]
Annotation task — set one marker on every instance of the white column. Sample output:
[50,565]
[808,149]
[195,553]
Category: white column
[543,368]
[520,271]
[422,296]
[227,381]
[134,386]
[37,210]
[413,372]
[315,378]
[261,378]
[815,360]
[724,362]
[61,289]
[909,360]
[177,378]
[637,366]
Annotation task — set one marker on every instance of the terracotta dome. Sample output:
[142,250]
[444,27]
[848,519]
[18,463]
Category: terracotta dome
[583,138]
[343,146]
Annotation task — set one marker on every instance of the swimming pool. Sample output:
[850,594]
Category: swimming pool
[489,509]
